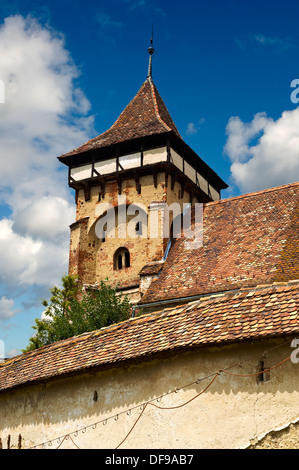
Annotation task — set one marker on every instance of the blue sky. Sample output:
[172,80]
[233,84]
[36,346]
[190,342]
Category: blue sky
[223,68]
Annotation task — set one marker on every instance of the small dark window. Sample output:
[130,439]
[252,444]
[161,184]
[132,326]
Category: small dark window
[138,228]
[119,262]
[264,373]
[127,259]
[121,259]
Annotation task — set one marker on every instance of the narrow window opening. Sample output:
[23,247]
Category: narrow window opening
[127,259]
[120,261]
[264,373]
[138,228]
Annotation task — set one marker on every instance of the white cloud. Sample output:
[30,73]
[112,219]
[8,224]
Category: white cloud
[279,42]
[46,219]
[37,121]
[26,261]
[191,129]
[44,115]
[258,41]
[264,153]
[6,308]
[194,128]
[17,252]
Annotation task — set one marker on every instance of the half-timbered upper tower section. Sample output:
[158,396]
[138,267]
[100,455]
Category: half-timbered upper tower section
[143,140]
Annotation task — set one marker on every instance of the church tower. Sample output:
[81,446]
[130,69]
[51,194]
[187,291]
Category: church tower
[121,177]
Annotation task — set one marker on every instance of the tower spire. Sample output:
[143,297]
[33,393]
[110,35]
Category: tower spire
[151,50]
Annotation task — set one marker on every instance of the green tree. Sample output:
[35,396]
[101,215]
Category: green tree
[71,312]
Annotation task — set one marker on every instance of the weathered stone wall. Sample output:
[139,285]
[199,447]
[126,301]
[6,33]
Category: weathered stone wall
[232,412]
[91,258]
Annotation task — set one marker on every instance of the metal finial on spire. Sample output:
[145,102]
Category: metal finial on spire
[151,50]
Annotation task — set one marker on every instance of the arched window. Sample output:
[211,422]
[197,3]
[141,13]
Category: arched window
[121,259]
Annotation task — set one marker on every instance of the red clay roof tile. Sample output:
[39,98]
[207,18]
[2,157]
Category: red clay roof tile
[198,324]
[247,240]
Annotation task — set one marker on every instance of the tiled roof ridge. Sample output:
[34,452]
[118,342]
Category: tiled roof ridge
[156,108]
[254,193]
[153,316]
[242,292]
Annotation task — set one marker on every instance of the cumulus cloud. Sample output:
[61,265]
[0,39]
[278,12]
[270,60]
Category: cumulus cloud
[264,153]
[45,219]
[45,114]
[6,308]
[26,261]
[39,117]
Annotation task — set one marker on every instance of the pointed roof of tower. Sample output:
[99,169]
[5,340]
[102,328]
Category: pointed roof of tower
[144,123]
[145,115]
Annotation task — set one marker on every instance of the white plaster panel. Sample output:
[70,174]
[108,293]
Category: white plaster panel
[215,195]
[130,161]
[177,159]
[202,183]
[190,172]
[81,172]
[106,166]
[154,156]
